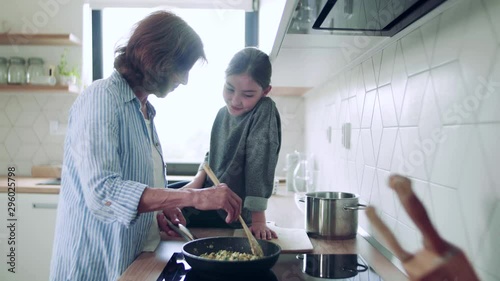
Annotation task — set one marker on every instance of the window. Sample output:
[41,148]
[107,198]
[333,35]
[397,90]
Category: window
[184,118]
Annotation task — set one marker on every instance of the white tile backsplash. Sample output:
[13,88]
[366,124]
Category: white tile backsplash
[387,65]
[476,59]
[413,153]
[480,202]
[450,33]
[435,107]
[24,129]
[450,155]
[387,109]
[489,135]
[366,121]
[387,145]
[493,10]
[412,104]
[399,79]
[369,75]
[414,53]
[4,120]
[489,96]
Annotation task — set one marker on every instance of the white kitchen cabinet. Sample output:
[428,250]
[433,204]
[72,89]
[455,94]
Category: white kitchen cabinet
[34,235]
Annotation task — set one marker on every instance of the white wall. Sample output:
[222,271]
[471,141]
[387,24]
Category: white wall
[420,108]
[25,139]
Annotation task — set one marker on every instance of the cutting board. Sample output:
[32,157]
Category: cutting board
[291,240]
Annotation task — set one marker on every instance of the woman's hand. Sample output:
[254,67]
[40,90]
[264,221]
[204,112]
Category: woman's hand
[261,231]
[174,215]
[218,197]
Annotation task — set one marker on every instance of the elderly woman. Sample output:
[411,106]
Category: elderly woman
[113,160]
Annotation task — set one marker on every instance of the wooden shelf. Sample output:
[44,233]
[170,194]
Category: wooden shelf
[38,88]
[39,39]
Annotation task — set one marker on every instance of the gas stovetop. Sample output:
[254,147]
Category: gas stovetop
[289,267]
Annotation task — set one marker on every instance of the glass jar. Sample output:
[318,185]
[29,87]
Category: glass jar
[17,71]
[35,69]
[3,70]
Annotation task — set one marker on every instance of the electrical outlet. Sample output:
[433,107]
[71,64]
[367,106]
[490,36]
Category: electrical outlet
[346,135]
[53,127]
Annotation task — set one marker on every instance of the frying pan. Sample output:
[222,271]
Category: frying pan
[193,249]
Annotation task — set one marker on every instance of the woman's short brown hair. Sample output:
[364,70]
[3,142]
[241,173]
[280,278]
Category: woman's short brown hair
[161,45]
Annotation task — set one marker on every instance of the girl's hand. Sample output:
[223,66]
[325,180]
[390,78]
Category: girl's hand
[261,231]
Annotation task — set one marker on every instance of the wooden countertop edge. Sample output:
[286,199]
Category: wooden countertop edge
[28,185]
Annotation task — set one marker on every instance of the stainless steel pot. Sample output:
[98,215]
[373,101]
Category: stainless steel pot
[332,214]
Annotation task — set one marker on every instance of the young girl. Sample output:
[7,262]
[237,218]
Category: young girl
[244,145]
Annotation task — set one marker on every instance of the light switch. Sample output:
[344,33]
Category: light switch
[346,135]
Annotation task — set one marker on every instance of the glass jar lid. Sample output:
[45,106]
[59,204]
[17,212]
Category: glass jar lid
[17,60]
[35,61]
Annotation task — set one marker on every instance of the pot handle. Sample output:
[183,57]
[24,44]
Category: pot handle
[357,269]
[358,207]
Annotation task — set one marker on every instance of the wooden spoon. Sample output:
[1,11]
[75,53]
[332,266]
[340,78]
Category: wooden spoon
[254,244]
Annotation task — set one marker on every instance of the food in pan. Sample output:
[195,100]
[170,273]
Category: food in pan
[224,255]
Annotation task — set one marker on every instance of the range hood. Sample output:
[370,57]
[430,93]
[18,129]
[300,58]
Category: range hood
[369,17]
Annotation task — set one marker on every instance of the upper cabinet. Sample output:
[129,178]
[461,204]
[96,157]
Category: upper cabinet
[303,57]
[307,57]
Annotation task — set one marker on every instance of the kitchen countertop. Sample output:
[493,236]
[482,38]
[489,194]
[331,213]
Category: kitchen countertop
[283,211]
[32,185]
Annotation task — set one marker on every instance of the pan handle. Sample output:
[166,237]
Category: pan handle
[358,207]
[357,269]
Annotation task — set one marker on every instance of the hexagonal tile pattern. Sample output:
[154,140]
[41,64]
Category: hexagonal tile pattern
[389,118]
[493,10]
[413,153]
[414,53]
[28,103]
[387,65]
[475,59]
[489,94]
[398,82]
[27,118]
[4,120]
[451,94]
[480,203]
[4,132]
[450,155]
[450,34]
[369,75]
[366,121]
[12,144]
[27,135]
[13,110]
[413,98]
[4,99]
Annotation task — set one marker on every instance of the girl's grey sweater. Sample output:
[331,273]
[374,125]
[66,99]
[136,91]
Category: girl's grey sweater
[244,153]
